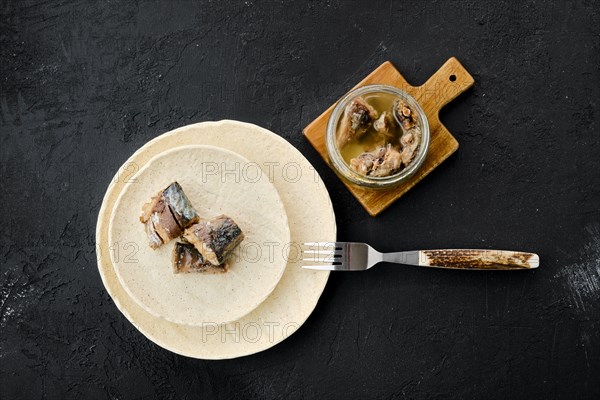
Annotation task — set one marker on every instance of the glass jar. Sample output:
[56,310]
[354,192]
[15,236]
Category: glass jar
[338,162]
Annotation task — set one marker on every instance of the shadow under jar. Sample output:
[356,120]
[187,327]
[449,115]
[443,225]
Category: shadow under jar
[377,136]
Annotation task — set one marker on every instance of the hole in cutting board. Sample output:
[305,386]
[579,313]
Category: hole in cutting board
[452,78]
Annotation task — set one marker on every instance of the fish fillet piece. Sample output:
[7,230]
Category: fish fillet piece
[385,128]
[385,123]
[383,161]
[365,162]
[186,259]
[391,163]
[167,214]
[356,120]
[154,240]
[405,114]
[215,239]
[410,141]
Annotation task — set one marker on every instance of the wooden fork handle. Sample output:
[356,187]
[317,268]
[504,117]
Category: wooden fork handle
[478,259]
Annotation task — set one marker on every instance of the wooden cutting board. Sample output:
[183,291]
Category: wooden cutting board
[444,86]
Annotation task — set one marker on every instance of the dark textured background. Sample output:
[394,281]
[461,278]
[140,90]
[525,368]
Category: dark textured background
[83,85]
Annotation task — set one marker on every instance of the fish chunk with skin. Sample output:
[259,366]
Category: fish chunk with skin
[186,259]
[180,205]
[215,239]
[358,117]
[383,161]
[161,227]
[167,214]
[165,224]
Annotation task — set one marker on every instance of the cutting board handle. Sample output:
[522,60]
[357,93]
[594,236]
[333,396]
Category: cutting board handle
[444,86]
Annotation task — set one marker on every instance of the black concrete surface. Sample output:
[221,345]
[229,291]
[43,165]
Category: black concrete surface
[85,84]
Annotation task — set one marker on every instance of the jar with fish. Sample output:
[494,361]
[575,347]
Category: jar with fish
[377,136]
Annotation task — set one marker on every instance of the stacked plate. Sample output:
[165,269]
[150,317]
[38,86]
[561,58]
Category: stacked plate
[273,193]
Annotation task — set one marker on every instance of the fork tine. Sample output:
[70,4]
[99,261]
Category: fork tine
[322,267]
[321,259]
[319,243]
[323,252]
[330,245]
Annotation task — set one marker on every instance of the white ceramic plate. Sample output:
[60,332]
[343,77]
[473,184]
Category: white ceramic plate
[310,216]
[216,181]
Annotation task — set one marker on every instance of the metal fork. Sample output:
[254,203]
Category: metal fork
[345,256]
